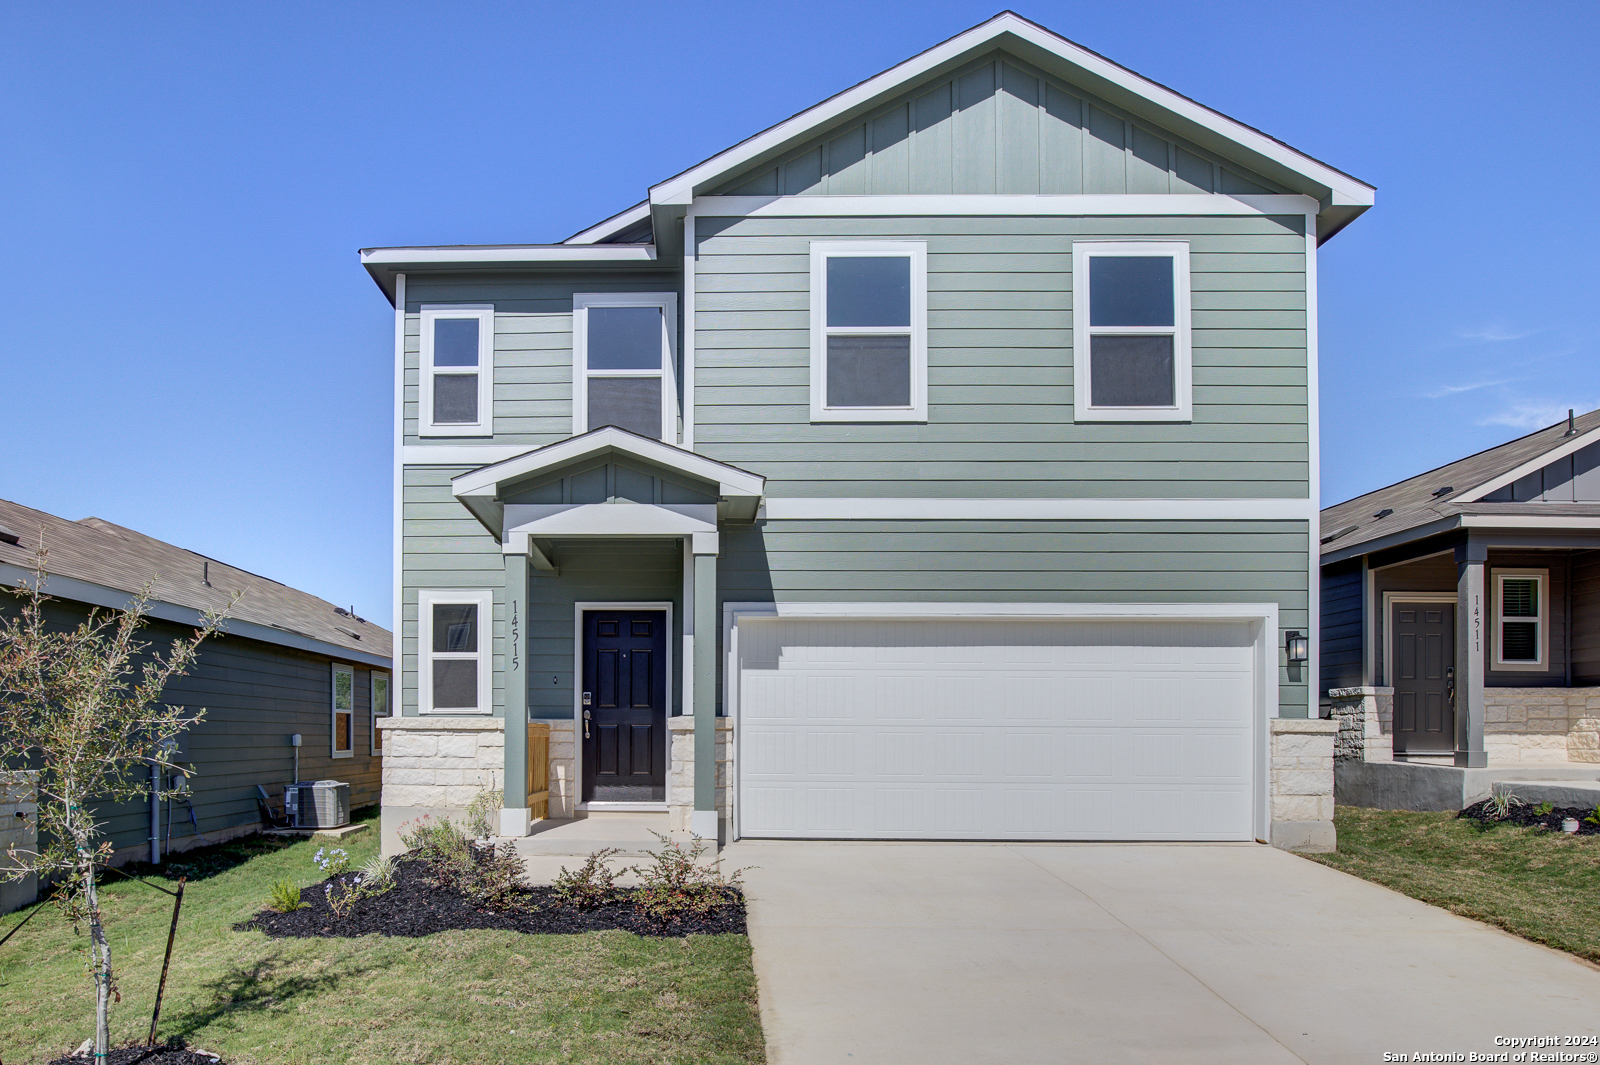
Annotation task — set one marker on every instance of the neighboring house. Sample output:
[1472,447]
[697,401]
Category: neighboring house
[1461,622]
[938,463]
[288,663]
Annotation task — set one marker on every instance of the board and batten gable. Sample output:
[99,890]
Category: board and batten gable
[1000,360]
[998,125]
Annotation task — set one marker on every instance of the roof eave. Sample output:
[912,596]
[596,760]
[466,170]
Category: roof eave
[382,264]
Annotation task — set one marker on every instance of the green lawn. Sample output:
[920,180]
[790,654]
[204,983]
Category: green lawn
[1543,886]
[469,997]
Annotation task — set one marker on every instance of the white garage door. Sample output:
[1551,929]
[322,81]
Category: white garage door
[995,729]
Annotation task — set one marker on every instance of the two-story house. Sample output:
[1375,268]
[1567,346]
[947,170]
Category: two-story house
[938,463]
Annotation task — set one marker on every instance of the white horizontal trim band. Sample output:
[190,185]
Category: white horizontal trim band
[510,253]
[1000,204]
[736,612]
[1525,521]
[890,509]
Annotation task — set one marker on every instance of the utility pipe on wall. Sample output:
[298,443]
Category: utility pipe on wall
[155,812]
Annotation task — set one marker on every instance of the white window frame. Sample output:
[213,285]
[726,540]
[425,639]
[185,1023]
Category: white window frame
[484,426]
[374,677]
[1542,576]
[917,252]
[668,303]
[483,599]
[334,711]
[1182,409]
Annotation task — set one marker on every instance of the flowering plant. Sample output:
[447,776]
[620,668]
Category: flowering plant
[332,861]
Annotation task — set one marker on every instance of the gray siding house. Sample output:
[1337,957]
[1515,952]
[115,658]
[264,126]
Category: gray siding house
[1461,623]
[288,663]
[938,463]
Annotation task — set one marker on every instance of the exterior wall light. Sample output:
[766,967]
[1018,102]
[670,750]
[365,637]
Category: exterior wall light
[1297,645]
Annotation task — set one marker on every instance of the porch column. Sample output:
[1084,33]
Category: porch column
[514,816]
[1471,618]
[703,822]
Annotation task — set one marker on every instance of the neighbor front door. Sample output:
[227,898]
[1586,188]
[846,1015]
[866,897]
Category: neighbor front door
[1423,638]
[623,708]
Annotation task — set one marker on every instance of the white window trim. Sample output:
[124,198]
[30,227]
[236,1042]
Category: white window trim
[483,599]
[1542,576]
[375,740]
[1182,356]
[334,712]
[668,303]
[917,252]
[484,426]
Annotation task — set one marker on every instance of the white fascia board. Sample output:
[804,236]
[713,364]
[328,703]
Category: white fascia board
[731,480]
[1394,539]
[1194,611]
[604,520]
[1181,113]
[1525,521]
[508,254]
[81,591]
[610,226]
[1538,462]
[957,509]
[1019,204]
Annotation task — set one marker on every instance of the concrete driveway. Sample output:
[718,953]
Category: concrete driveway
[928,953]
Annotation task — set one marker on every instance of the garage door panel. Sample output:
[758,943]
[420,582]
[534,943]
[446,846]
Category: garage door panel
[1022,729]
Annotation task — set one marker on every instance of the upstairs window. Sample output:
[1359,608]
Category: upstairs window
[869,334]
[344,711]
[1519,600]
[453,650]
[624,363]
[1130,331]
[457,371]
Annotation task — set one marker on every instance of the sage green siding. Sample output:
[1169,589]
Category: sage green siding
[443,546]
[1024,562]
[996,126]
[532,344]
[1000,364]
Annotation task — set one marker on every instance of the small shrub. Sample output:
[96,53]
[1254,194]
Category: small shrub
[342,896]
[332,860]
[675,885]
[493,878]
[1544,809]
[377,875]
[482,810]
[1594,818]
[1501,806]
[592,884]
[438,841]
[286,897]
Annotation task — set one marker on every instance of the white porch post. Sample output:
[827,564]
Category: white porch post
[703,822]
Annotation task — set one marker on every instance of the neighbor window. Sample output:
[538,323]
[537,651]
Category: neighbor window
[869,335]
[344,710]
[624,346]
[453,650]
[457,371]
[380,707]
[1520,641]
[1130,331]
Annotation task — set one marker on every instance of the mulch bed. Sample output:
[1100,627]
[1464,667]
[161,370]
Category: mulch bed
[172,1052]
[1527,816]
[415,906]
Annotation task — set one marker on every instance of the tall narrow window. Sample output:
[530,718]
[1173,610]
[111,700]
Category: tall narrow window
[453,651]
[869,336]
[1520,612]
[624,346]
[380,708]
[1130,315]
[457,371]
[344,710]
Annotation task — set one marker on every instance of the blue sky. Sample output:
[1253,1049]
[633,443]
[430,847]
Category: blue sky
[192,350]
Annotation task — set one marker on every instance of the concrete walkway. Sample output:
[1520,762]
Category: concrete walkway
[1064,953]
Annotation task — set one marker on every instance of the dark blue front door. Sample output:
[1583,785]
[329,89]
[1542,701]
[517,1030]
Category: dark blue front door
[624,705]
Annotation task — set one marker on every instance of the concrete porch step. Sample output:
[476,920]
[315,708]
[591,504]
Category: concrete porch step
[1419,785]
[628,833]
[1584,793]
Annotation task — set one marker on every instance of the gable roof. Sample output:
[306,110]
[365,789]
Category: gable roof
[1342,197]
[92,557]
[1418,503]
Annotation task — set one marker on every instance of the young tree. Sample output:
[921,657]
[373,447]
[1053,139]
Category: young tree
[82,706]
